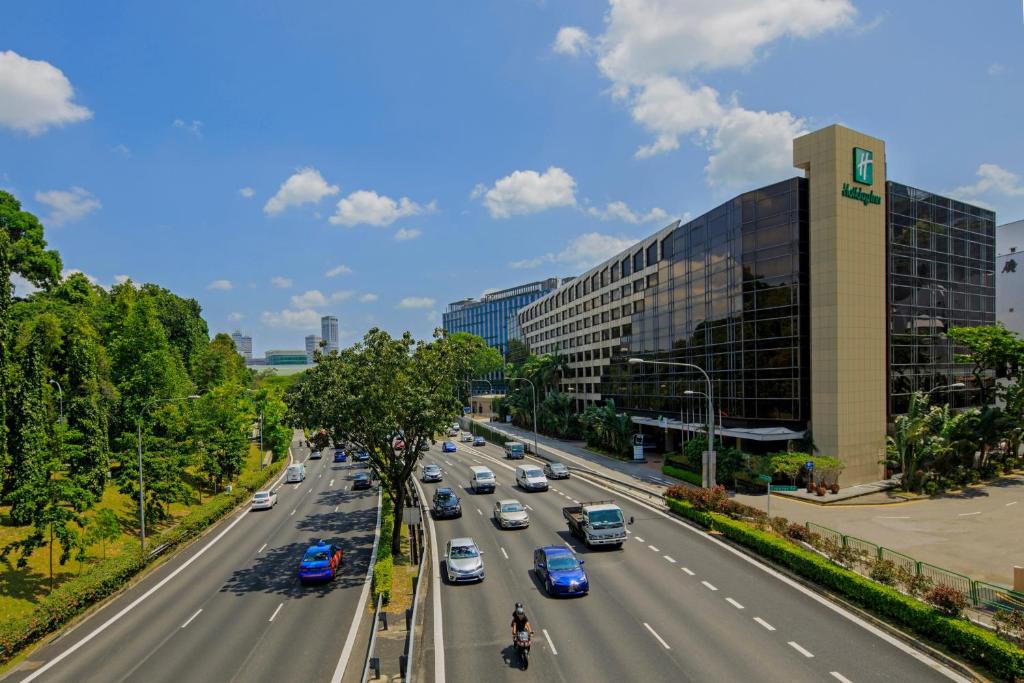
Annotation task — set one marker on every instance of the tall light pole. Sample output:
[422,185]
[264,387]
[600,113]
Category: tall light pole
[523,379]
[708,464]
[142,505]
[954,385]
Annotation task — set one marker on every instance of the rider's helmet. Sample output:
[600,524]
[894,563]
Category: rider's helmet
[519,609]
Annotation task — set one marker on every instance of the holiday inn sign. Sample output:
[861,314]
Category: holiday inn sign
[864,174]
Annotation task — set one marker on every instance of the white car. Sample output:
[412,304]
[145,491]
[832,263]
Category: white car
[263,500]
[454,431]
[466,437]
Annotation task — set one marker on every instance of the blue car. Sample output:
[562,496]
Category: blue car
[479,441]
[320,562]
[559,570]
[340,455]
[362,456]
[448,447]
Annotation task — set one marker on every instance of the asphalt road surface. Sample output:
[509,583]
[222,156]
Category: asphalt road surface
[673,604]
[234,611]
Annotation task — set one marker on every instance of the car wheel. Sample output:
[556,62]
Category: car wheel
[549,588]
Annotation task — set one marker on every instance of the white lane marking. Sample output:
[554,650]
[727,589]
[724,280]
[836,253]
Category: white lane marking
[840,677]
[309,490]
[655,634]
[189,621]
[336,507]
[734,603]
[292,512]
[1009,504]
[554,489]
[550,644]
[261,548]
[275,612]
[637,538]
[479,512]
[670,559]
[575,501]
[504,553]
[764,623]
[628,531]
[968,514]
[709,586]
[106,624]
[903,517]
[528,507]
[319,476]
[350,641]
[654,549]
[332,483]
[688,571]
[796,646]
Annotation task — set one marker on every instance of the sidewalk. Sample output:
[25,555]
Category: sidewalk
[975,532]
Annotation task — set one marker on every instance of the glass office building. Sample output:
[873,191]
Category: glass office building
[816,305]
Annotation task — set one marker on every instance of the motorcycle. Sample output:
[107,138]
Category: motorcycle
[522,645]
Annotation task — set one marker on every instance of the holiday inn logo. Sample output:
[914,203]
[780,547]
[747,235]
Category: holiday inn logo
[863,166]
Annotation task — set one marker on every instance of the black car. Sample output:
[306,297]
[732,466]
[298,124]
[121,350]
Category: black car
[361,481]
[446,504]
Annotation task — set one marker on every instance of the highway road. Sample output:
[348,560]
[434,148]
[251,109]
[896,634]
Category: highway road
[673,605]
[229,607]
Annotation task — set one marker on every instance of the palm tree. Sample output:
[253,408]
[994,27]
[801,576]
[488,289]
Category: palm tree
[906,445]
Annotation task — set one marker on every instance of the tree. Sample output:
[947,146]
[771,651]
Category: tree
[517,352]
[473,357]
[222,420]
[907,444]
[103,528]
[993,351]
[378,392]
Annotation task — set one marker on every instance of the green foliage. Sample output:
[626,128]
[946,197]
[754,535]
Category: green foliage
[103,528]
[965,639]
[605,428]
[992,350]
[472,357]
[383,568]
[220,432]
[680,473]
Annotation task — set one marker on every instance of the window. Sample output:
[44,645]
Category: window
[626,269]
[627,289]
[652,280]
[615,272]
[638,261]
[652,254]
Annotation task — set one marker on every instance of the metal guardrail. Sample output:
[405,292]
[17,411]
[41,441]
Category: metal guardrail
[371,662]
[982,595]
[410,643]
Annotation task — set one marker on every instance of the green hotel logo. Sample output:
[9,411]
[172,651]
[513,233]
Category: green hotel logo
[854,192]
[863,166]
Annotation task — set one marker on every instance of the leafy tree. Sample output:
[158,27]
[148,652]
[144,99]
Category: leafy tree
[219,363]
[992,350]
[907,444]
[103,528]
[222,421]
[473,358]
[518,352]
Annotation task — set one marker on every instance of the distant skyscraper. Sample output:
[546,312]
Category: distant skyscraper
[243,345]
[312,344]
[329,332]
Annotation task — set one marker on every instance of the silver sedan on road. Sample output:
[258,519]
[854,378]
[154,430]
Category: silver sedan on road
[432,472]
[510,514]
[463,560]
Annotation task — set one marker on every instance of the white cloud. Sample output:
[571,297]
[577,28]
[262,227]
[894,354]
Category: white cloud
[992,180]
[123,150]
[620,211]
[68,205]
[653,50]
[193,128]
[997,69]
[304,319]
[312,298]
[343,295]
[235,316]
[416,302]
[368,298]
[22,287]
[220,285]
[35,95]
[338,270]
[366,207]
[571,40]
[281,282]
[526,192]
[247,192]
[405,234]
[581,253]
[121,279]
[305,186]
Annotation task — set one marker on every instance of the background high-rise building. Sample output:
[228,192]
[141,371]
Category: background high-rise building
[243,345]
[1010,275]
[312,344]
[329,333]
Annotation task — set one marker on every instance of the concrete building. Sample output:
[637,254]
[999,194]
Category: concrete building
[817,305]
[312,344]
[329,333]
[243,345]
[1010,275]
[285,357]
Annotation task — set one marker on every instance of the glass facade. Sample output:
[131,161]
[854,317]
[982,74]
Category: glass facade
[730,295]
[941,271]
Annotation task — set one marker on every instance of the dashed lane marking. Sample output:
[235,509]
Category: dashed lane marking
[654,549]
[670,559]
[796,646]
[840,677]
[734,603]
[637,538]
[478,511]
[655,634]
[275,612]
[709,586]
[336,507]
[764,623]
[189,621]
[332,483]
[261,548]
[688,571]
[504,553]
[1009,504]
[969,514]
[550,644]
[293,512]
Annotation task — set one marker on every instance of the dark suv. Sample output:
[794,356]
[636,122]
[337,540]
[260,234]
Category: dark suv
[446,504]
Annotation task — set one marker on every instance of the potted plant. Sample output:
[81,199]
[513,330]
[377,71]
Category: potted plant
[821,490]
[835,487]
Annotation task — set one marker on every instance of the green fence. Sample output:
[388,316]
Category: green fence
[982,595]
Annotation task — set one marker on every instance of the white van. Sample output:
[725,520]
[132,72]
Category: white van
[531,478]
[481,479]
[296,473]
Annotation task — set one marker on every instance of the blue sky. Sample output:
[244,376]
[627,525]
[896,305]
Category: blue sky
[238,152]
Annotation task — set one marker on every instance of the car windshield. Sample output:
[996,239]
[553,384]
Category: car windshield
[316,555]
[261,495]
[463,552]
[563,563]
[557,467]
[485,475]
[605,518]
[431,468]
[444,498]
[511,507]
[361,475]
[533,473]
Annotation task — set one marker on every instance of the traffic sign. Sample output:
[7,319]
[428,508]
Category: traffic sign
[763,477]
[809,464]
[466,410]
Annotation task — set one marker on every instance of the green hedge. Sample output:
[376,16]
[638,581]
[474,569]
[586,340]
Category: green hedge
[103,579]
[383,569]
[488,433]
[973,643]
[680,473]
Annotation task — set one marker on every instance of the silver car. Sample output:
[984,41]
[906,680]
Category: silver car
[556,470]
[431,472]
[463,560]
[510,514]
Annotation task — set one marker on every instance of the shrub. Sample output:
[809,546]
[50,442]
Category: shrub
[779,525]
[946,599]
[383,572]
[883,571]
[913,583]
[680,473]
[713,499]
[970,641]
[798,532]
[1009,623]
[931,487]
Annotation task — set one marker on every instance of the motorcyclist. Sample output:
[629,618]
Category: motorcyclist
[520,622]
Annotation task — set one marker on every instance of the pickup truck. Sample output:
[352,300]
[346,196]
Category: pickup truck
[598,522]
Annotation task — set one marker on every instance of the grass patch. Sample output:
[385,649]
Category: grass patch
[402,574]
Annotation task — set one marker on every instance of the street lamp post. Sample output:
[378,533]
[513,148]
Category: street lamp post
[708,464]
[523,379]
[142,505]
[954,385]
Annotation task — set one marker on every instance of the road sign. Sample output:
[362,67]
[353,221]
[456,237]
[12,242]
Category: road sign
[809,464]
[466,410]
[662,422]
[763,477]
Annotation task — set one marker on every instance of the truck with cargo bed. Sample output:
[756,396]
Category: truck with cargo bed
[598,522]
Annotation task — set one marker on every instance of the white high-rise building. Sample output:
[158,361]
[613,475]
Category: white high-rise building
[329,332]
[243,345]
[312,344]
